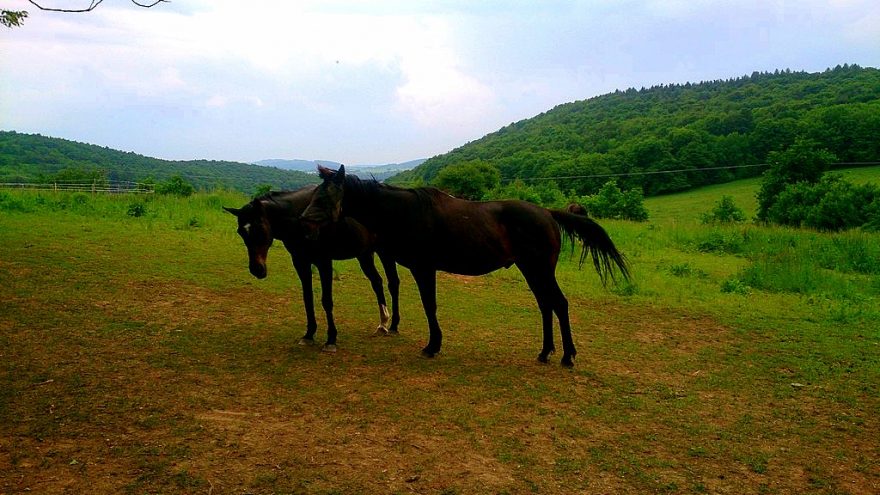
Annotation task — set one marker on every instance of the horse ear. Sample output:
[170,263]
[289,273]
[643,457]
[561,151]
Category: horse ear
[325,173]
[339,176]
[234,211]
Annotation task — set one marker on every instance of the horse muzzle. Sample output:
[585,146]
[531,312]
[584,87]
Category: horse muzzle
[258,270]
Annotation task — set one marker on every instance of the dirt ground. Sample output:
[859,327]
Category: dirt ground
[153,386]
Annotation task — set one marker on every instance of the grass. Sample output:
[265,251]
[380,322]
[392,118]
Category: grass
[137,355]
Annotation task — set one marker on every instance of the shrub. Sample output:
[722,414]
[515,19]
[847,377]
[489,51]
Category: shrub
[8,202]
[803,161]
[611,202]
[872,211]
[136,209]
[176,186]
[725,211]
[720,241]
[468,180]
[831,204]
[262,190]
[546,194]
[735,286]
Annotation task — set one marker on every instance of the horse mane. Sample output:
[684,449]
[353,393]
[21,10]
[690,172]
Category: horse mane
[274,196]
[369,187]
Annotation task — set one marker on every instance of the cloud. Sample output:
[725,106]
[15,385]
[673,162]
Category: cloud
[355,81]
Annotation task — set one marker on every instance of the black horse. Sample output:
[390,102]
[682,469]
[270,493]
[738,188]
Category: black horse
[277,216]
[427,230]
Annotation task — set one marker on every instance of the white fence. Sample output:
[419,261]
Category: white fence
[112,187]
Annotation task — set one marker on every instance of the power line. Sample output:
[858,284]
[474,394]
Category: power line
[628,174]
[658,172]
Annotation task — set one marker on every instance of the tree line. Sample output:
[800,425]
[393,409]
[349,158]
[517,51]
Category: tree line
[36,158]
[707,129]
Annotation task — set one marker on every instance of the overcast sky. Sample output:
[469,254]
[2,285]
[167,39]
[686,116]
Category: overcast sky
[381,81]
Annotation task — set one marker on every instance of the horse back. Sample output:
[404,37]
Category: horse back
[473,238]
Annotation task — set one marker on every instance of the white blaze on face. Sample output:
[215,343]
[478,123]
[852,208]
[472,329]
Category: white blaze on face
[247,228]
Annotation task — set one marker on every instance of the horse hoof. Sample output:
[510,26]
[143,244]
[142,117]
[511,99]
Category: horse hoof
[428,354]
[568,361]
[305,341]
[544,356]
[331,348]
[381,331]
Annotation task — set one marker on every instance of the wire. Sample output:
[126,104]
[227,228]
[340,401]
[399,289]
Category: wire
[649,172]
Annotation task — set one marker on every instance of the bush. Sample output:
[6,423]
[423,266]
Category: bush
[718,241]
[725,211]
[468,180]
[831,204]
[262,190]
[137,209]
[803,161]
[872,211]
[546,194]
[176,186]
[8,202]
[611,202]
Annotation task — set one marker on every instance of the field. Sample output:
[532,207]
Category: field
[138,355]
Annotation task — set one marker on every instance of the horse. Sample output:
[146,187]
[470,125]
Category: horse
[276,215]
[426,230]
[577,209]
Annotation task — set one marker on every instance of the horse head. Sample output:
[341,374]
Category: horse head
[256,232]
[325,207]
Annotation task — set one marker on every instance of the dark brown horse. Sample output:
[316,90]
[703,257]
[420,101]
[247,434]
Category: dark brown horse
[277,216]
[427,230]
[576,208]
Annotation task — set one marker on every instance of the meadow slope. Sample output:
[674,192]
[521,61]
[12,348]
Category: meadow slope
[137,355]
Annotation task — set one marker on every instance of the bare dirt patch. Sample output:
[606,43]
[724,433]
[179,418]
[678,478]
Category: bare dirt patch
[166,386]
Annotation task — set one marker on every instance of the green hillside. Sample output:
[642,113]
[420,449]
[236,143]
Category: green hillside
[693,127]
[36,158]
[686,207]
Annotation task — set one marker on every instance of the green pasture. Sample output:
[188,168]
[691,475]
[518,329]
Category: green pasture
[138,355]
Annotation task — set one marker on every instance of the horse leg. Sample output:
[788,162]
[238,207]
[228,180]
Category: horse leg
[304,272]
[394,289]
[560,307]
[325,270]
[427,283]
[542,286]
[368,266]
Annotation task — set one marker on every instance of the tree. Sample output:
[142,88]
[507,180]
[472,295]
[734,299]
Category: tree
[803,161]
[93,4]
[12,18]
[468,180]
[725,211]
[15,18]
[176,186]
[611,202]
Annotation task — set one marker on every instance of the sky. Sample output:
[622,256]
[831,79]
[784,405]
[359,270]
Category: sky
[374,82]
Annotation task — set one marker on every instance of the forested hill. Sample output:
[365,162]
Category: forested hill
[36,158]
[692,126]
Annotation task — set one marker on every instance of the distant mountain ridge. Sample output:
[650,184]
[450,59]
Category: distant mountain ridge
[299,165]
[364,171]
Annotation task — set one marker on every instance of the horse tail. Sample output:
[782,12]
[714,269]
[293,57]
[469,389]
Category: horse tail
[595,241]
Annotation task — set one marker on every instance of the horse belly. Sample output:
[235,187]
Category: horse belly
[474,258]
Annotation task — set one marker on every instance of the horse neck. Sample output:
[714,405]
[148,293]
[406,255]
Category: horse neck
[374,206]
[283,214]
